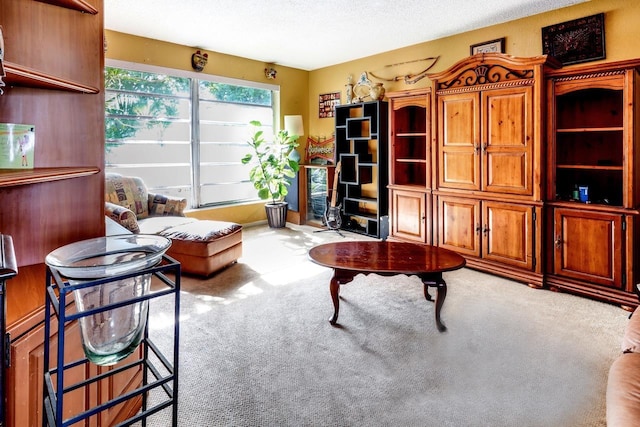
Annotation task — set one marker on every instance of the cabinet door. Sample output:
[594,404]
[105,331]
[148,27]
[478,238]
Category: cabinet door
[411,216]
[459,141]
[25,377]
[507,141]
[459,225]
[507,234]
[588,246]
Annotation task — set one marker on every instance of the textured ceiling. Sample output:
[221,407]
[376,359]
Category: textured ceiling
[309,34]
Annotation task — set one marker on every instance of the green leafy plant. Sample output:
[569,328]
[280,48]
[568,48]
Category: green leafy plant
[272,165]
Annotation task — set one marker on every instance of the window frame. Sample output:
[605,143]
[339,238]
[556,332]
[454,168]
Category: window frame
[195,78]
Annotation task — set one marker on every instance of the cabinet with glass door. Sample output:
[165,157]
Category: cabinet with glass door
[593,185]
[410,165]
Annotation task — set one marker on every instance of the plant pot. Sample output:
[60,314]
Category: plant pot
[276,214]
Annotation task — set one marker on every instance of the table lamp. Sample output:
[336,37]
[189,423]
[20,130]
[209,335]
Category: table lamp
[293,125]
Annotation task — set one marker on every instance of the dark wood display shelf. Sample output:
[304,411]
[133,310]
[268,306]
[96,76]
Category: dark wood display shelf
[591,167]
[18,75]
[14,177]
[600,129]
[78,5]
[410,160]
[410,134]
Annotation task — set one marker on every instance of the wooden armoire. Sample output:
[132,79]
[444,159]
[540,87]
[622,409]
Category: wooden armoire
[489,157]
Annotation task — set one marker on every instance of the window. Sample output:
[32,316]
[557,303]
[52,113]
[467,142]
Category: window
[183,133]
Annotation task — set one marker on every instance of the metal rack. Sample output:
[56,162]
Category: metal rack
[158,372]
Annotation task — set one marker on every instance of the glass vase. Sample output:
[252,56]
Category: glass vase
[113,333]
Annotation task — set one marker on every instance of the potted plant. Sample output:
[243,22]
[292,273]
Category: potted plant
[272,168]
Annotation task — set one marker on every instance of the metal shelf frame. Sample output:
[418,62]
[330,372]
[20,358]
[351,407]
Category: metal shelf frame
[158,372]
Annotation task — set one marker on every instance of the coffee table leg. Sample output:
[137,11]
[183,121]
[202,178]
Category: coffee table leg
[340,277]
[441,293]
[334,288]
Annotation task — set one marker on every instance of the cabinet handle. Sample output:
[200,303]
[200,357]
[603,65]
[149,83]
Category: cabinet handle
[558,242]
[476,149]
[484,147]
[478,228]
[423,218]
[485,230]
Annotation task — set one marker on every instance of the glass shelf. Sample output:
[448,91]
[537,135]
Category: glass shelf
[591,167]
[591,129]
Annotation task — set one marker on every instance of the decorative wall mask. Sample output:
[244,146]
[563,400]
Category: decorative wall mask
[199,60]
[270,73]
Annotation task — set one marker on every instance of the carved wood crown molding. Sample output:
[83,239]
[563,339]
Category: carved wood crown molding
[487,74]
[589,76]
[476,88]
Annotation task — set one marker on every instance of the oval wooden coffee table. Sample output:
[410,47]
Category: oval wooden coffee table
[349,259]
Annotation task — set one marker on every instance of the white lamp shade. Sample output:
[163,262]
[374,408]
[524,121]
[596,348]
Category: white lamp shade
[293,125]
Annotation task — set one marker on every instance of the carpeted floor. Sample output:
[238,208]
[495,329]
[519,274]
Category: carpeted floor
[257,349]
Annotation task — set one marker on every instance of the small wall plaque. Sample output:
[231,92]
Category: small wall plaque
[327,105]
[492,46]
[321,148]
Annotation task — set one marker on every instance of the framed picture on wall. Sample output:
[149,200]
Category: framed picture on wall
[492,46]
[327,104]
[572,42]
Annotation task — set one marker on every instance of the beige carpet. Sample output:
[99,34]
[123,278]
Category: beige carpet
[257,348]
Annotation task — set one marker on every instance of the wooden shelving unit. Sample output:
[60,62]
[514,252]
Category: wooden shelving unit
[410,166]
[592,145]
[54,61]
[588,139]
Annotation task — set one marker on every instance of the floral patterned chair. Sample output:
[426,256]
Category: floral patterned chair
[202,246]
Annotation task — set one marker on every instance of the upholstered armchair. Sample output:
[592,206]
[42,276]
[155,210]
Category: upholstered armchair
[202,246]
[128,202]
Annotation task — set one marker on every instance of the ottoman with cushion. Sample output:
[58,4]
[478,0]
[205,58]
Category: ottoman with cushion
[201,246]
